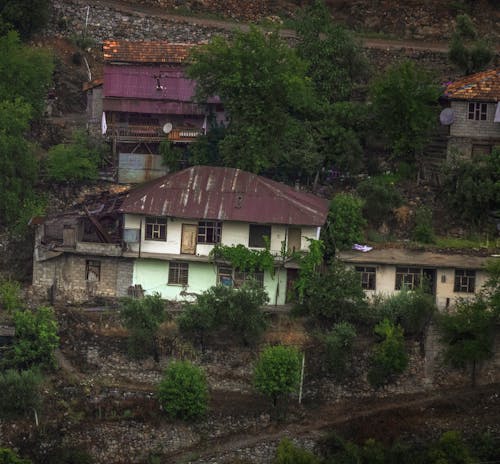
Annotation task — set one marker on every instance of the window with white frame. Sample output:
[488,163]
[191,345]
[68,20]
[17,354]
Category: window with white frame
[465,281]
[209,231]
[408,278]
[368,277]
[178,273]
[156,228]
[478,111]
[230,277]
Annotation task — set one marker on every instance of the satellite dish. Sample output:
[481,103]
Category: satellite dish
[167,127]
[447,117]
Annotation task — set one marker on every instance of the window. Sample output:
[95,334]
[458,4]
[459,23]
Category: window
[465,280]
[259,236]
[156,228]
[178,273]
[478,111]
[209,231]
[229,277]
[408,278]
[92,270]
[368,276]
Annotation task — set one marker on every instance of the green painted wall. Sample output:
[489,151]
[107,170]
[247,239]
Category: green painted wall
[152,275]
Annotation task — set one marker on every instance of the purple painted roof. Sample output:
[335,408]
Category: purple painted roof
[229,194]
[139,82]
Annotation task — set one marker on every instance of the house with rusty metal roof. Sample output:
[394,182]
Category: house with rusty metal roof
[473,114]
[157,237]
[143,99]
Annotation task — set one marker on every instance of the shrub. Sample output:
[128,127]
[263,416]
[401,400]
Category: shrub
[27,16]
[423,230]
[339,344]
[10,295]
[288,453]
[344,224]
[450,449]
[20,393]
[142,317]
[389,357]
[277,372]
[183,392]
[380,197]
[35,338]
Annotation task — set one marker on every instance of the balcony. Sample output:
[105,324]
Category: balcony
[151,133]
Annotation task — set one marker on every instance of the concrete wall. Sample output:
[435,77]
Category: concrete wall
[67,275]
[152,275]
[233,233]
[445,280]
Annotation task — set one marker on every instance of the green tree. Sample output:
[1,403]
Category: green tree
[288,453]
[25,73]
[405,108]
[335,295]
[263,85]
[389,357]
[20,393]
[472,188]
[336,62]
[27,16]
[35,338]
[468,51]
[7,456]
[450,449]
[142,317]
[345,223]
[468,333]
[338,348]
[277,372]
[183,391]
[77,161]
[423,230]
[10,295]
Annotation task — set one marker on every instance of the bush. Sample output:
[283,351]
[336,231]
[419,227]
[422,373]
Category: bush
[10,295]
[412,310]
[345,223]
[183,392]
[27,16]
[277,372]
[380,197]
[339,345]
[35,338]
[423,230]
[389,357]
[77,161]
[142,317]
[450,449]
[7,456]
[288,453]
[20,393]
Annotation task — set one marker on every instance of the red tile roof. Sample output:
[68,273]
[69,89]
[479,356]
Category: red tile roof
[225,194]
[145,52]
[483,86]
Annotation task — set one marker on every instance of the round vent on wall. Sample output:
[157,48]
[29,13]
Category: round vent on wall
[167,127]
[447,117]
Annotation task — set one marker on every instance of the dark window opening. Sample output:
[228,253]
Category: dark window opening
[408,278]
[465,281]
[156,228]
[231,278]
[178,273]
[209,231]
[368,277]
[259,236]
[478,111]
[92,270]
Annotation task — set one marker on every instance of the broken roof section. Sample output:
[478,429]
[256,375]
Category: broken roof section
[225,194]
[483,86]
[121,51]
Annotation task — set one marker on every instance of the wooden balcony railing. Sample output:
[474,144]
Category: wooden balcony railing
[143,132]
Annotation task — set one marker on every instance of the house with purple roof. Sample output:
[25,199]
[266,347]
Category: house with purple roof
[145,98]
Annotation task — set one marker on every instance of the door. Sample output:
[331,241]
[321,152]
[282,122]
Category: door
[429,281]
[291,277]
[188,242]
[294,236]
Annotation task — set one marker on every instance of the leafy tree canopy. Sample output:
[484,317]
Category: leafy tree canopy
[405,107]
[26,16]
[7,456]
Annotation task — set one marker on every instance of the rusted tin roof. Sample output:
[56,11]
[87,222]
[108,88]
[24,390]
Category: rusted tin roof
[483,86]
[92,84]
[145,52]
[226,194]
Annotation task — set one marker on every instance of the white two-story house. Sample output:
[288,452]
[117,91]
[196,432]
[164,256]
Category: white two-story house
[159,236]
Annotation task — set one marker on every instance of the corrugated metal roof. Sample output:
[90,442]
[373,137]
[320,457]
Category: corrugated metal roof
[401,256]
[145,52]
[483,86]
[142,82]
[225,194]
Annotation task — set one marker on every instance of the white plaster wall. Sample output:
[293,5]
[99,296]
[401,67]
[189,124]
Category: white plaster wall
[308,232]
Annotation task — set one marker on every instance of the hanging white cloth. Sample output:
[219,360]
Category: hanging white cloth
[104,126]
[497,113]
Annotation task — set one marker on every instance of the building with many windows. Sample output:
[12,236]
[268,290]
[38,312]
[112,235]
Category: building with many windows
[446,276]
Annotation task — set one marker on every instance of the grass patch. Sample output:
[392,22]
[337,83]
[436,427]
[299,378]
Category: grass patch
[468,243]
